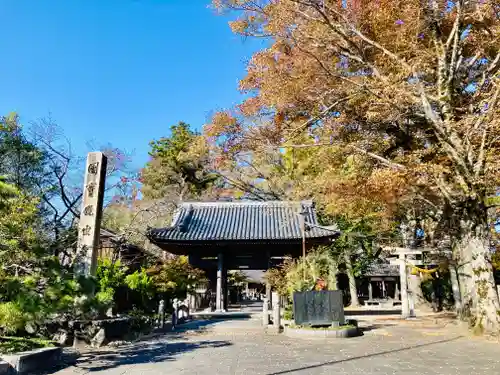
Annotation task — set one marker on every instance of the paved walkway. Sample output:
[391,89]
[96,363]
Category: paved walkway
[240,347]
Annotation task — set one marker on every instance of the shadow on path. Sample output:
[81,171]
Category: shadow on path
[375,326]
[141,353]
[201,324]
[363,356]
[362,312]
[151,349]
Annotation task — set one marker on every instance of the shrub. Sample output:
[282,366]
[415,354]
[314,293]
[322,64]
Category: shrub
[288,313]
[20,344]
[12,317]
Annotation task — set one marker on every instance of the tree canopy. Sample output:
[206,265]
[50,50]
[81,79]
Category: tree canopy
[407,91]
[179,163]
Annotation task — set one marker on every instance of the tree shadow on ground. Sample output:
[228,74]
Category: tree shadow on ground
[161,346]
[330,363]
[139,353]
[375,326]
[372,312]
[205,324]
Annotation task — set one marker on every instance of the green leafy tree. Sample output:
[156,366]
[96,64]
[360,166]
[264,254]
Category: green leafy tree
[110,276]
[179,163]
[176,277]
[236,278]
[142,283]
[19,246]
[21,161]
[320,266]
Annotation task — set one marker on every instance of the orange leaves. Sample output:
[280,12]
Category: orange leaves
[250,107]
[358,76]
[239,26]
[389,185]
[223,122]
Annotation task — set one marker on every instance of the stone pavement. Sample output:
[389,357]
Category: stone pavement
[240,347]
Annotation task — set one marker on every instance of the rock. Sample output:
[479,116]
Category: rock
[183,312]
[115,344]
[92,329]
[79,341]
[30,328]
[63,338]
[99,339]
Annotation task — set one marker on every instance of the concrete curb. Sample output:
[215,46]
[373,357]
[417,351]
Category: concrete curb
[321,333]
[32,361]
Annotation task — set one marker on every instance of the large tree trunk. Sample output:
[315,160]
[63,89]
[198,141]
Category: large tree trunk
[353,290]
[480,294]
[455,287]
[465,282]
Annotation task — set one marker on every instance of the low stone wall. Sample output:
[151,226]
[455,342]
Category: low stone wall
[31,361]
[97,332]
[297,332]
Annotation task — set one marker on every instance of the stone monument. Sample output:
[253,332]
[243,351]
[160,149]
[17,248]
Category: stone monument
[161,314]
[91,213]
[318,308]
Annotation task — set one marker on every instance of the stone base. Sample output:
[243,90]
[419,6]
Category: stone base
[33,360]
[286,322]
[321,333]
[273,330]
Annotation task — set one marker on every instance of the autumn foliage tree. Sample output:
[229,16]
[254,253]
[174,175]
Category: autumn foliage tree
[408,89]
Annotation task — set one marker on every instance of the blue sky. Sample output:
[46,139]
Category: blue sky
[118,71]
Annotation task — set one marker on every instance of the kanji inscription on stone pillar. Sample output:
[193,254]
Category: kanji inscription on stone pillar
[91,213]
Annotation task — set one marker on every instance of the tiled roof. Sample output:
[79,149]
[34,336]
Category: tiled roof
[382,269]
[240,221]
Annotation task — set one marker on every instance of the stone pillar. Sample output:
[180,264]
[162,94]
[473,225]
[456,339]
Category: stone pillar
[265,313]
[404,286]
[268,286]
[455,287]
[415,286]
[370,290]
[219,291]
[174,319]
[411,306]
[396,291]
[268,295]
[161,314]
[89,225]
[384,295]
[276,313]
[225,289]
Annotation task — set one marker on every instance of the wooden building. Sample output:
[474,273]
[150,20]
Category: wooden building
[380,281]
[114,247]
[245,235]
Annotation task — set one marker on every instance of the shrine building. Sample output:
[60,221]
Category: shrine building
[245,235]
